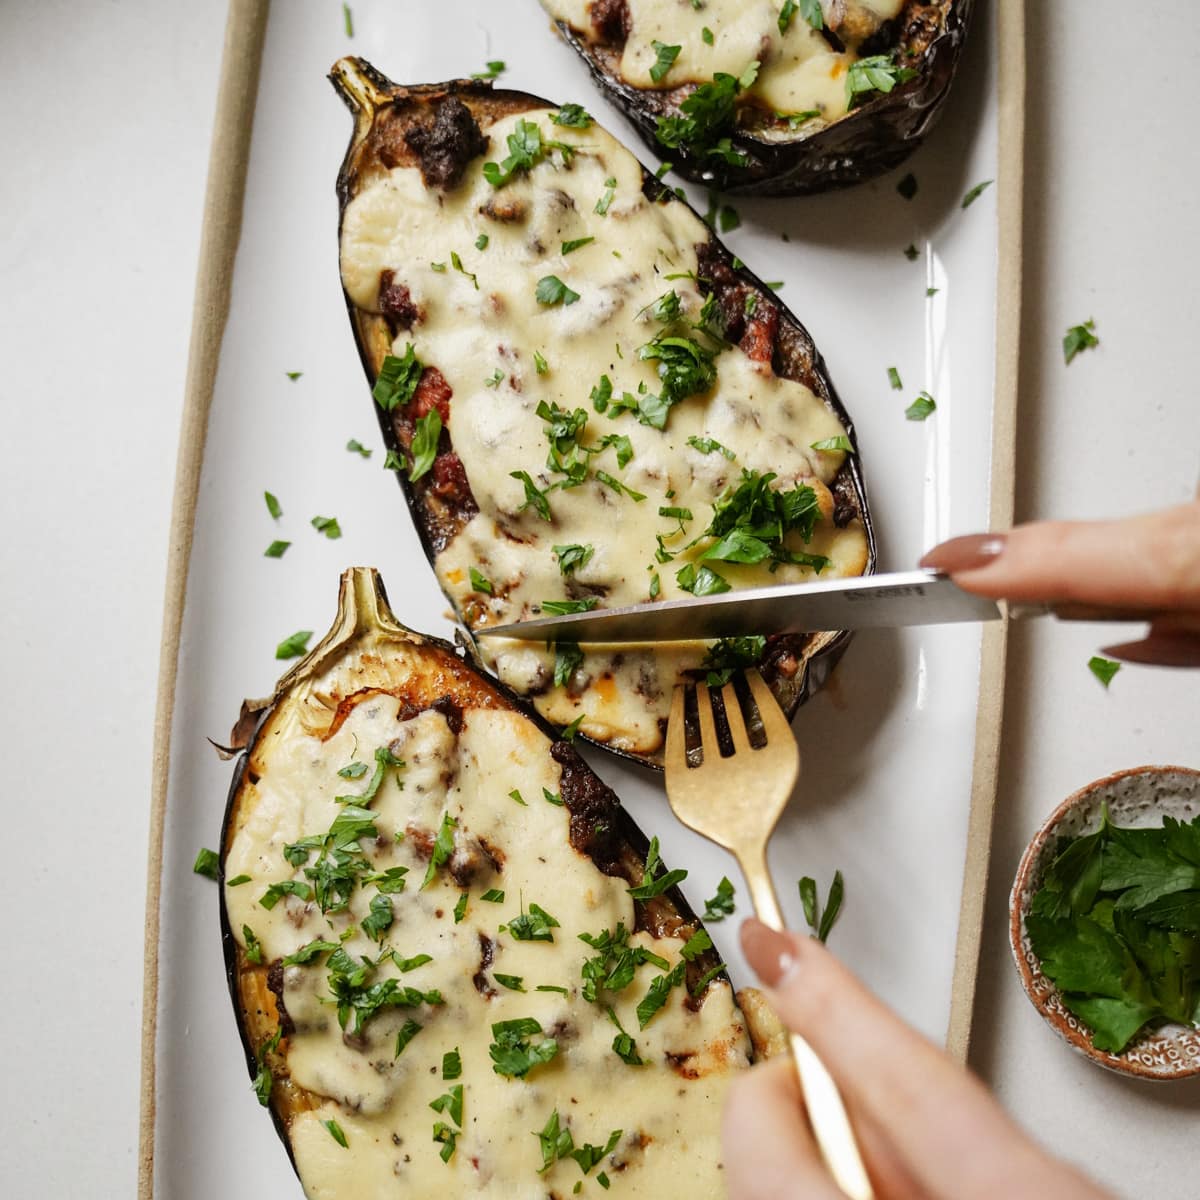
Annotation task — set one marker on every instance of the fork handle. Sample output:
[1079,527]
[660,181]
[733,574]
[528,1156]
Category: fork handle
[826,1112]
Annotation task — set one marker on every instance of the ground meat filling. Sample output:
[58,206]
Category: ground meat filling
[396,303]
[444,147]
[610,20]
[593,808]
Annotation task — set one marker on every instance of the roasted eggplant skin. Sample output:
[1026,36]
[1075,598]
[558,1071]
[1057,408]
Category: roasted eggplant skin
[362,634]
[795,666]
[870,140]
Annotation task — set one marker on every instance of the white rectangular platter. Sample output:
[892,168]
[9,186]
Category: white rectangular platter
[888,749]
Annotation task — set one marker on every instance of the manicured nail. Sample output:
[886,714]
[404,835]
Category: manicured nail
[1159,650]
[965,553]
[772,954]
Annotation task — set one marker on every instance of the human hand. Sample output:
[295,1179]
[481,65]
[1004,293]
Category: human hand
[1149,562]
[927,1128]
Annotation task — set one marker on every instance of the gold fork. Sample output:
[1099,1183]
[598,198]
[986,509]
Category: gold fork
[736,801]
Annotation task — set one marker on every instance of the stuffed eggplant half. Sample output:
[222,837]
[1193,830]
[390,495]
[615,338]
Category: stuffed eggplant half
[778,97]
[591,403]
[457,966]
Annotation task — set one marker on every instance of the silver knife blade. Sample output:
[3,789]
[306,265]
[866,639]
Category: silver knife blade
[861,602]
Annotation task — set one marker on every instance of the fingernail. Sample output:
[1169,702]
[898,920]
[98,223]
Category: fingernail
[772,954]
[1159,650]
[965,553]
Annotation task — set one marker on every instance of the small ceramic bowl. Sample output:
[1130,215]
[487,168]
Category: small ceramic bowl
[1141,796]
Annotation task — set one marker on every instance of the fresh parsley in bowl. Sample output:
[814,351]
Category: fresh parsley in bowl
[1105,921]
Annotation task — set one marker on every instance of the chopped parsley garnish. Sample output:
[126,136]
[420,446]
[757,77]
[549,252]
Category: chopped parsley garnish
[513,1052]
[293,375]
[309,951]
[653,884]
[706,35]
[810,11]
[294,645]
[573,556]
[535,497]
[875,73]
[460,909]
[451,1102]
[536,925]
[624,1047]
[705,582]
[911,252]
[1077,338]
[562,608]
[552,797]
[525,150]
[481,242]
[350,988]
[821,922]
[841,442]
[356,447]
[573,116]
[254,950]
[569,731]
[347,20]
[706,117]
[335,1132]
[975,193]
[276,549]
[263,1080]
[699,943]
[660,989]
[384,758]
[601,394]
[285,887]
[208,862]
[728,218]
[720,906]
[921,407]
[493,896]
[557,1143]
[539,363]
[452,1067]
[731,654]
[457,264]
[480,583]
[567,659]
[494,68]
[931,291]
[894,379]
[273,505]
[795,120]
[398,379]
[707,445]
[617,486]
[448,1136]
[707,978]
[393,462]
[665,309]
[237,881]
[440,267]
[514,983]
[551,987]
[907,187]
[575,244]
[426,433]
[388,882]
[404,965]
[655,586]
[613,966]
[685,369]
[408,1031]
[665,57]
[515,794]
[551,290]
[610,190]
[328,526]
[443,847]
[1116,925]
[1103,668]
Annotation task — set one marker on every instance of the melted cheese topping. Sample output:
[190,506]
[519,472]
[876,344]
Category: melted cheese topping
[483,339]
[801,72]
[668,1110]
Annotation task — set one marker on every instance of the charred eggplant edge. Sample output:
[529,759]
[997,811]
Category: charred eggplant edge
[363,610]
[818,653]
[838,156]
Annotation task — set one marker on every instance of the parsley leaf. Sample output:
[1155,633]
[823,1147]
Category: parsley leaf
[525,150]
[1103,668]
[480,583]
[514,983]
[328,526]
[720,906]
[841,442]
[273,505]
[1077,338]
[551,290]
[575,244]
[573,556]
[443,847]
[398,379]
[705,582]
[356,447]
[894,379]
[294,645]
[921,407]
[568,658]
[276,549]
[512,1051]
[665,57]
[208,863]
[494,68]
[821,923]
[705,117]
[731,654]
[409,1031]
[707,445]
[535,497]
[562,608]
[656,997]
[975,193]
[536,925]
[573,116]
[651,885]
[875,73]
[426,433]
[335,1132]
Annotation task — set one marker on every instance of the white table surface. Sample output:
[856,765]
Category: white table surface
[105,128]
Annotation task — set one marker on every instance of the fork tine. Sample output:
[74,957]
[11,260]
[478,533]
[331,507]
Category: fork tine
[676,749]
[735,720]
[775,724]
[708,727]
